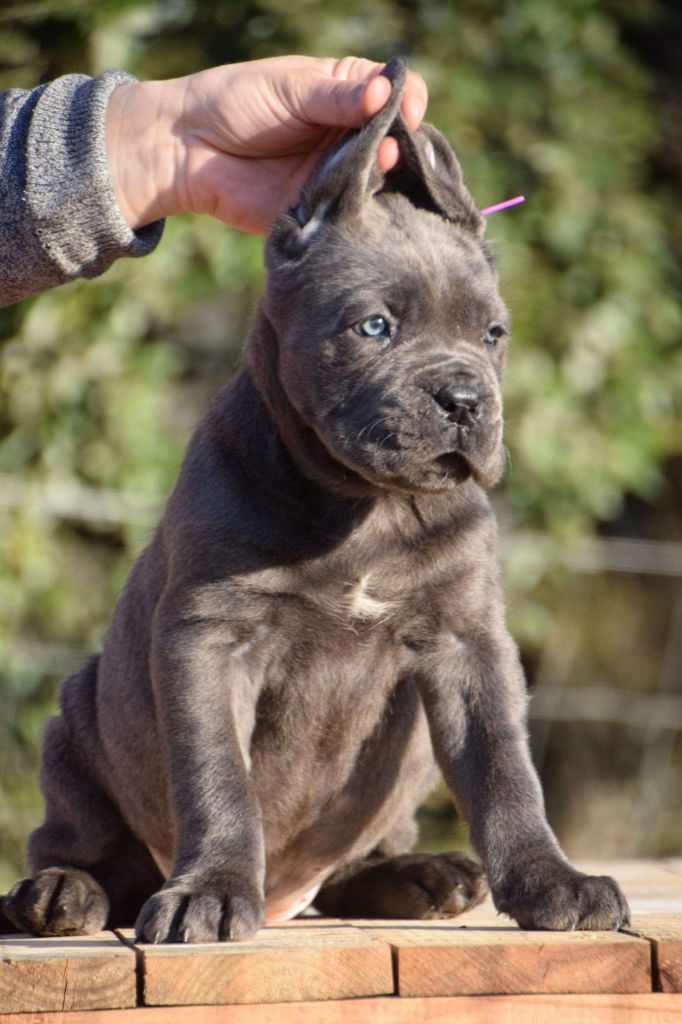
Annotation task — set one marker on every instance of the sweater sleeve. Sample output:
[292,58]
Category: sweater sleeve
[59,218]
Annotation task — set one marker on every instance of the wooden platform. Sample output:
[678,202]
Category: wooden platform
[476,968]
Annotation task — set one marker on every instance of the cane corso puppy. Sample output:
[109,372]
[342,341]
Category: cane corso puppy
[317,626]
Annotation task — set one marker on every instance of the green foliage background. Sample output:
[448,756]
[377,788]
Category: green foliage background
[101,382]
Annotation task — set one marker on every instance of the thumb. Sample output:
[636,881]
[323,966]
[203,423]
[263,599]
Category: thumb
[342,104]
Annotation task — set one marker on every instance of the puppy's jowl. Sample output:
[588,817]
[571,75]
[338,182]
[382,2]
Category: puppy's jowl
[317,626]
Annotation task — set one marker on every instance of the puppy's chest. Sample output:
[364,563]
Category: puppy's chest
[363,587]
[371,580]
[357,596]
[333,606]
[373,587]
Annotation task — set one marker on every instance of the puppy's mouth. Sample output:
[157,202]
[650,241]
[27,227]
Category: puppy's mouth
[454,466]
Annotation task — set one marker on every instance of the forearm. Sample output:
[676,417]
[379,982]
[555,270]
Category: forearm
[59,214]
[197,684]
[90,166]
[476,706]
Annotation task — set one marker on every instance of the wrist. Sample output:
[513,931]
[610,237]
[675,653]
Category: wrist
[142,150]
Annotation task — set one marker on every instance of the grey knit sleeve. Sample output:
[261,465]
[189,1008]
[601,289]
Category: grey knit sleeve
[59,218]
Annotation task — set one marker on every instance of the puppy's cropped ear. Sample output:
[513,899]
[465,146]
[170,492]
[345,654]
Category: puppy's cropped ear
[347,175]
[429,175]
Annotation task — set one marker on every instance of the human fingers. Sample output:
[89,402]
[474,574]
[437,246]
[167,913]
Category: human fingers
[347,92]
[413,107]
[388,154]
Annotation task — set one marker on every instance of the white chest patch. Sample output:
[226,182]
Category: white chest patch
[361,604]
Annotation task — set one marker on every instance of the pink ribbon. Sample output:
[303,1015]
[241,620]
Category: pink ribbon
[503,206]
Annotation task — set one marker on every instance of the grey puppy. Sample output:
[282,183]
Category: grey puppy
[319,612]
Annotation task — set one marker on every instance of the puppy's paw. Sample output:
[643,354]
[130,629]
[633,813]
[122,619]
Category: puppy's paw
[58,901]
[417,886]
[428,886]
[553,896]
[200,913]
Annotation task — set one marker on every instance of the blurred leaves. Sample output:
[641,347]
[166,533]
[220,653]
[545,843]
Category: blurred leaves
[101,382]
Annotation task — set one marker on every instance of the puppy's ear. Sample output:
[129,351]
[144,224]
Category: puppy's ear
[429,175]
[347,175]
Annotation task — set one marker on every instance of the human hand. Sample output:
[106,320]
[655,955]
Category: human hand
[239,141]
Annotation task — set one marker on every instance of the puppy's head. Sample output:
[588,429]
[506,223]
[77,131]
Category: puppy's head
[383,297]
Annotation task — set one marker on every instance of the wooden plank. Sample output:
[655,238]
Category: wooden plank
[323,959]
[302,960]
[439,958]
[74,973]
[665,933]
[656,1008]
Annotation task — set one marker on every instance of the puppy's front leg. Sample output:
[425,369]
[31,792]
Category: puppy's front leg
[201,691]
[474,693]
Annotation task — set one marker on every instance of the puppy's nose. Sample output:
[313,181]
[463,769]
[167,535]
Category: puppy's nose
[460,402]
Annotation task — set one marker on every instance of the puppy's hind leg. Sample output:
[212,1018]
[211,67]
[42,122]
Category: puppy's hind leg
[86,866]
[392,884]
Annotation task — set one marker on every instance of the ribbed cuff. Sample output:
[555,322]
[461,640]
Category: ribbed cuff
[69,190]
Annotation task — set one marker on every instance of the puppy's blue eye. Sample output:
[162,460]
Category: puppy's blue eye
[373,327]
[493,334]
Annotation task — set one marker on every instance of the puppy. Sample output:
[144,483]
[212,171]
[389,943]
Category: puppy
[317,625]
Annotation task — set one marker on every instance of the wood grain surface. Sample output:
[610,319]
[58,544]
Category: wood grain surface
[439,958]
[594,1009]
[481,966]
[665,933]
[94,972]
[298,961]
